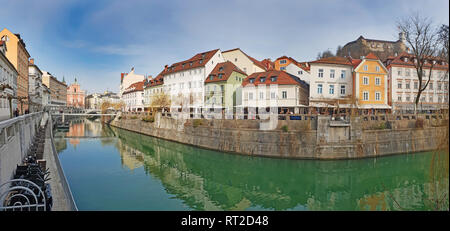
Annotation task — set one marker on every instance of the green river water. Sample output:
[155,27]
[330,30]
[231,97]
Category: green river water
[113,169]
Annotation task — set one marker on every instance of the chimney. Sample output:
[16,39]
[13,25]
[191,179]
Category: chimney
[32,61]
[165,67]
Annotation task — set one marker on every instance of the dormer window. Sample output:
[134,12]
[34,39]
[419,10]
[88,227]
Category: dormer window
[262,79]
[211,77]
[434,61]
[203,55]
[406,60]
[220,68]
[201,61]
[220,76]
[273,78]
[190,64]
[251,80]
[183,64]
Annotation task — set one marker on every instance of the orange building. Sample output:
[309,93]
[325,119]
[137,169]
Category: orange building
[370,83]
[18,55]
[282,62]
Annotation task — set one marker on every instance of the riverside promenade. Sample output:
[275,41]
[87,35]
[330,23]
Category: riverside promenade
[16,135]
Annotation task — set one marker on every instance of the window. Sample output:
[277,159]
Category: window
[439,99]
[331,90]
[251,80]
[408,98]
[377,68]
[273,78]
[408,72]
[342,89]
[220,68]
[283,61]
[320,73]
[366,67]
[262,79]
[377,96]
[439,86]
[366,80]
[343,74]
[332,73]
[399,72]
[399,85]
[416,84]
[245,69]
[399,99]
[261,95]
[300,72]
[431,86]
[319,89]
[220,76]
[272,95]
[211,77]
[284,94]
[282,68]
[366,95]
[407,85]
[235,59]
[431,98]
[377,81]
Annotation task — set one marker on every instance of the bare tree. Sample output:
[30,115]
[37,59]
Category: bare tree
[325,54]
[161,100]
[421,36]
[444,42]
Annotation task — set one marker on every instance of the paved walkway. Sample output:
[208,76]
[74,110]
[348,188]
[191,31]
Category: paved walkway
[61,199]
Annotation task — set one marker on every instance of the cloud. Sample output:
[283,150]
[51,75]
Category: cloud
[96,40]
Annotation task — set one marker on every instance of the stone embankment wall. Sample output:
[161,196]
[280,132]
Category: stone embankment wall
[16,135]
[318,137]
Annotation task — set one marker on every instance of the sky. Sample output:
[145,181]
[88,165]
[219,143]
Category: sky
[95,41]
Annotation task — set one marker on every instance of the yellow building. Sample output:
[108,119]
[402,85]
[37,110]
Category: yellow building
[18,55]
[370,86]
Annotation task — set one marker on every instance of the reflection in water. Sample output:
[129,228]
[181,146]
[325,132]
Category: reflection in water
[208,180]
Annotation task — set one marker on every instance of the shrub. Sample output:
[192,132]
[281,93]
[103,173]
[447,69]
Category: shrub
[197,122]
[150,119]
[284,128]
[120,117]
[419,123]
[133,117]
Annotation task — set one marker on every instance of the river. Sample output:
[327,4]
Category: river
[113,169]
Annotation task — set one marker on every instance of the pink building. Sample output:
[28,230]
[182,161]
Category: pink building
[75,96]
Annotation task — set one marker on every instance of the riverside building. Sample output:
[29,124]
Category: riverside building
[403,84]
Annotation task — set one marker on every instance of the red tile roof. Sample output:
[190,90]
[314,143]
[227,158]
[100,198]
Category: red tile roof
[138,86]
[268,64]
[255,61]
[283,78]
[334,60]
[198,60]
[399,61]
[372,56]
[303,65]
[226,69]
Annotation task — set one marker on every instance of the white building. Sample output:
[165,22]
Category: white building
[243,61]
[133,97]
[330,81]
[8,85]
[403,84]
[46,94]
[126,79]
[184,81]
[35,87]
[152,88]
[301,70]
[275,89]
